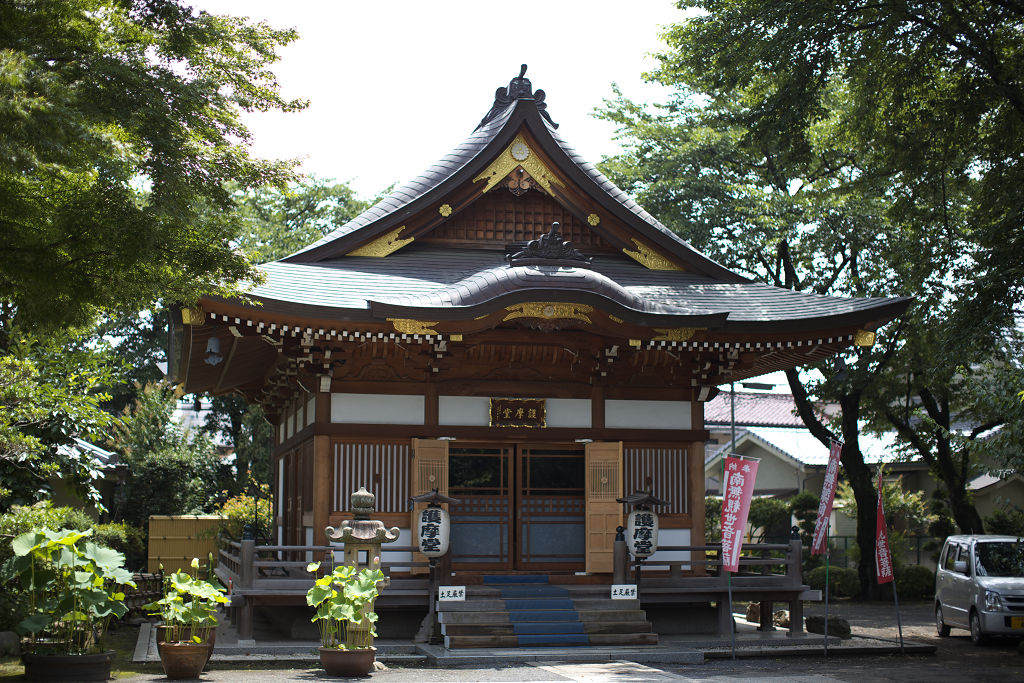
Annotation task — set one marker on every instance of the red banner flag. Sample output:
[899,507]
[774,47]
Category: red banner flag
[828,495]
[883,558]
[739,487]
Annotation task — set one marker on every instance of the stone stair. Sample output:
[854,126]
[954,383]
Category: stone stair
[529,611]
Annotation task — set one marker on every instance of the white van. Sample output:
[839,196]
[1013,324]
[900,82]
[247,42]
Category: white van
[979,586]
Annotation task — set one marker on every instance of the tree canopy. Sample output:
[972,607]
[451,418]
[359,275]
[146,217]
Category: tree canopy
[120,140]
[851,148]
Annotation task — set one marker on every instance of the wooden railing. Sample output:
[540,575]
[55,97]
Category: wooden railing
[763,555]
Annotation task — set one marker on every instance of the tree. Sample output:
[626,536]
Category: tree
[50,393]
[250,434]
[281,220]
[848,148]
[170,471]
[121,134]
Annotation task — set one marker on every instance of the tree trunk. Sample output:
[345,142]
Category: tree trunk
[862,482]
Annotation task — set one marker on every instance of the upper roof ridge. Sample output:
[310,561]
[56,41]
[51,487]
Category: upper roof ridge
[519,88]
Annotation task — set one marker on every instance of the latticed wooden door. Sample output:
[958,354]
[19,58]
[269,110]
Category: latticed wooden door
[603,514]
[429,471]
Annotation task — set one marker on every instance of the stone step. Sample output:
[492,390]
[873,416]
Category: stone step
[550,640]
[503,616]
[546,627]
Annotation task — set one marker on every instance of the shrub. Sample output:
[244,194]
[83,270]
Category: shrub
[126,539]
[844,582]
[1009,521]
[915,582]
[712,520]
[238,511]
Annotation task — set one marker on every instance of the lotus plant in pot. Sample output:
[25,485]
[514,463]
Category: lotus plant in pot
[189,611]
[75,592]
[343,601]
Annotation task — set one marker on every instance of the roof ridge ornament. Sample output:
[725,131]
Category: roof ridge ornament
[519,88]
[549,250]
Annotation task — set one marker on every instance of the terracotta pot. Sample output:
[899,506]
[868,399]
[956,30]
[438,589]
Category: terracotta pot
[94,667]
[347,662]
[208,634]
[183,660]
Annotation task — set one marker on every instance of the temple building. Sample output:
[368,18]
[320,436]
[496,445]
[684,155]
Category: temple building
[511,329]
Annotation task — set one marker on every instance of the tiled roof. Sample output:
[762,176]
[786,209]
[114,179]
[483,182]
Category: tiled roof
[426,276]
[801,446]
[759,409]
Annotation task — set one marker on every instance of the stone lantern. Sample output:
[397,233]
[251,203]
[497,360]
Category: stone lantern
[363,537]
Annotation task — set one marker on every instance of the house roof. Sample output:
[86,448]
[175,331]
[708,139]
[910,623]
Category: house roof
[759,409]
[103,458]
[801,447]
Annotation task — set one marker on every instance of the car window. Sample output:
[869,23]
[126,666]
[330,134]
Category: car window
[999,558]
[951,552]
[964,555]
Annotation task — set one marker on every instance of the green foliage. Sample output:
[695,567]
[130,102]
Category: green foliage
[159,452]
[343,601]
[238,512]
[280,221]
[804,507]
[189,603]
[122,131]
[246,428]
[843,582]
[915,582]
[51,391]
[1007,520]
[712,520]
[74,588]
[126,539]
[770,517]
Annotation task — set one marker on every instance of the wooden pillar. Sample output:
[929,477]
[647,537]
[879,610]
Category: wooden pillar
[597,407]
[322,480]
[695,474]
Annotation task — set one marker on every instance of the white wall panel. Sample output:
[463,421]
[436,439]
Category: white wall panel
[377,409]
[568,412]
[619,414]
[465,411]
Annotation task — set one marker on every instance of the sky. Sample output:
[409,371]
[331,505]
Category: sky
[393,86]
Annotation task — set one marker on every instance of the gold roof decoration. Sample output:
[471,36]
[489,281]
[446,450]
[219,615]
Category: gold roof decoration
[407,326]
[549,310]
[517,154]
[383,245]
[649,258]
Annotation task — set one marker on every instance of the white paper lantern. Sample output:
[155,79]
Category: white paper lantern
[642,533]
[432,531]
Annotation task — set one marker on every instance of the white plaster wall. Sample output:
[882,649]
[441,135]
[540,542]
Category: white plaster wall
[672,537]
[377,409]
[310,410]
[464,411]
[620,414]
[568,412]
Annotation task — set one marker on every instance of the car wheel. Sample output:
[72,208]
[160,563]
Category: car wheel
[940,626]
[977,636]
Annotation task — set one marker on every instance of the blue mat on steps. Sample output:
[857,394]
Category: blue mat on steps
[511,578]
[535,591]
[517,616]
[550,627]
[538,604]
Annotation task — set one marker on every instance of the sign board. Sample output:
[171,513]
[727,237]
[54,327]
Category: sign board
[623,591]
[518,412]
[739,487]
[451,593]
[828,494]
[883,557]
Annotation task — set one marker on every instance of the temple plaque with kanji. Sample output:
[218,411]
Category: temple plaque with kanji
[517,412]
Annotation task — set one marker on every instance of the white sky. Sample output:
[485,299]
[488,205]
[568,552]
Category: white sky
[394,85]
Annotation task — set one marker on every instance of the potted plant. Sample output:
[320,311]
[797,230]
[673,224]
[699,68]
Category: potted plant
[75,592]
[189,611]
[343,601]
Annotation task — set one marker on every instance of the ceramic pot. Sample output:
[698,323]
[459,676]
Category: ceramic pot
[347,662]
[208,634]
[183,660]
[93,667]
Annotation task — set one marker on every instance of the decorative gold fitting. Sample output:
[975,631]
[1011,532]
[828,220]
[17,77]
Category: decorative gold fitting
[383,245]
[614,319]
[549,310]
[518,154]
[864,338]
[455,337]
[649,258]
[193,316]
[593,219]
[445,210]
[406,326]
[678,334]
[634,342]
